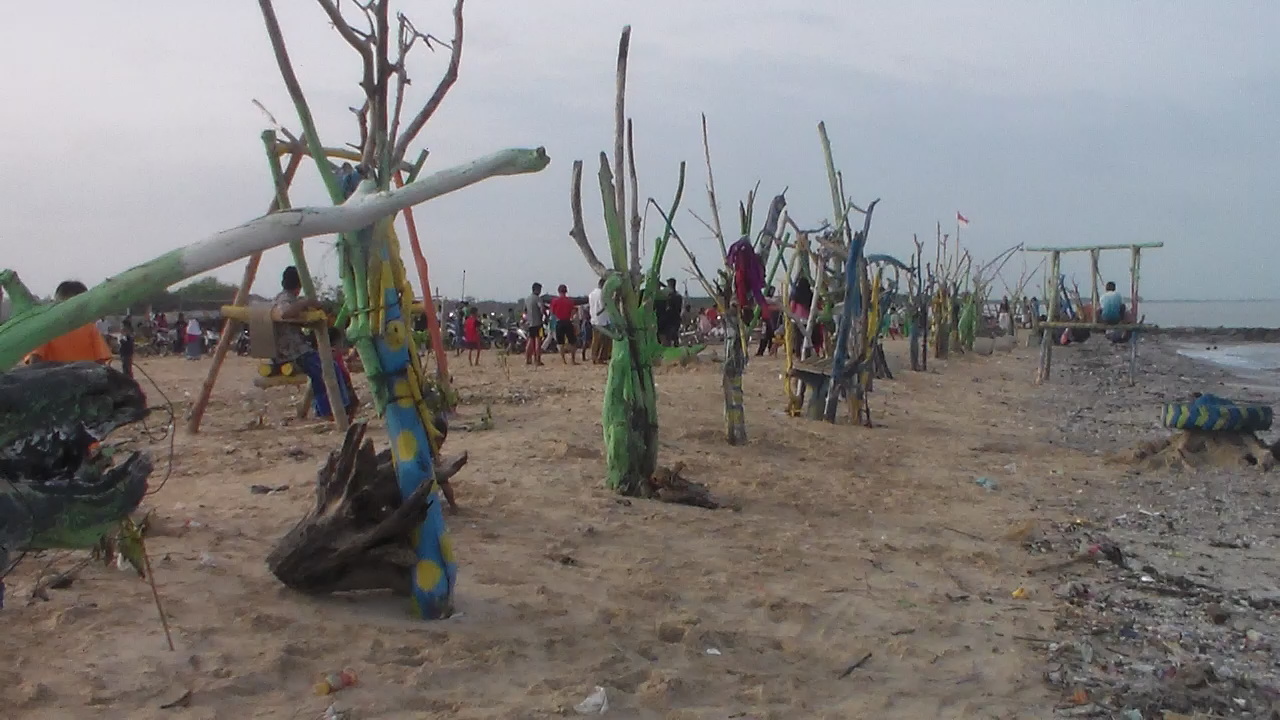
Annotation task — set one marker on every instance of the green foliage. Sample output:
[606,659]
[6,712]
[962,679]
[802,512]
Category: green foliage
[207,288]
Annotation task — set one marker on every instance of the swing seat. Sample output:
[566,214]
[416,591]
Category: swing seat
[271,369]
[279,380]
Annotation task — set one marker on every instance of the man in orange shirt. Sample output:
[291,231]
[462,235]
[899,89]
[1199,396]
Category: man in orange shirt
[84,344]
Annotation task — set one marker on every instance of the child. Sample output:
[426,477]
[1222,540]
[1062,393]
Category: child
[126,347]
[84,344]
[337,344]
[471,336]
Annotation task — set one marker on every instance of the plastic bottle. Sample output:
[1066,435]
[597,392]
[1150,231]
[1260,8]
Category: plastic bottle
[333,682]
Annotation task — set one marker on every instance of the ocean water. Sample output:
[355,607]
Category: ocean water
[1212,313]
[1255,357]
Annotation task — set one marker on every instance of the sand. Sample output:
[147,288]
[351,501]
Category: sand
[848,541]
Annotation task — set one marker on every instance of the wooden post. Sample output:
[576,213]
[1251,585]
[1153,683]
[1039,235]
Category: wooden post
[1046,341]
[330,374]
[1135,262]
[1133,358]
[428,305]
[1094,298]
[232,327]
[304,272]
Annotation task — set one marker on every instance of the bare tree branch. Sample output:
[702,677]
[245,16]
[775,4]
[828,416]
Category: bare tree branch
[579,231]
[362,119]
[376,148]
[433,103]
[354,38]
[275,125]
[696,270]
[705,224]
[718,230]
[294,87]
[363,44]
[635,204]
[619,131]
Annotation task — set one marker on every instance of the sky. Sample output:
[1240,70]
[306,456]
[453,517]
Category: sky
[130,128]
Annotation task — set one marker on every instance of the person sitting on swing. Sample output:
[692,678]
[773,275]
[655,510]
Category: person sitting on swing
[1112,306]
[292,345]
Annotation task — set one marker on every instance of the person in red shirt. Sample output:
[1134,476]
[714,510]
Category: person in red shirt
[471,335]
[563,307]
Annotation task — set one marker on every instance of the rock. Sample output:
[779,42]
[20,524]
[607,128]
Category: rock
[670,632]
[1217,613]
[30,693]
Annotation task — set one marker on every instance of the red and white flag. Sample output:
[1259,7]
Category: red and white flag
[961,220]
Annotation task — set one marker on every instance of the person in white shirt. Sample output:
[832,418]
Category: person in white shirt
[601,342]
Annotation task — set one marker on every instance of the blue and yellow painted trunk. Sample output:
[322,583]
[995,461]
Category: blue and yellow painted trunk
[382,337]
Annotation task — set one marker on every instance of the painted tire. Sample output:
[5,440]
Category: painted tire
[1220,418]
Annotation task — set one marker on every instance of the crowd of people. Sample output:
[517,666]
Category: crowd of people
[576,328]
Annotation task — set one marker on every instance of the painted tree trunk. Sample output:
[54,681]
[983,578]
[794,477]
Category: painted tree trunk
[630,409]
[397,389]
[735,362]
[33,325]
[855,271]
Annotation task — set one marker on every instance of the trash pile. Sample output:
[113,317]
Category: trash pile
[1141,643]
[1168,582]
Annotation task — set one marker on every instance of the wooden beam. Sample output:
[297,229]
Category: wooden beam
[1088,248]
[1102,327]
[1045,369]
[232,328]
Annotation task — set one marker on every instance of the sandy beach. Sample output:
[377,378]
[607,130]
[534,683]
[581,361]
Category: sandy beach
[848,542]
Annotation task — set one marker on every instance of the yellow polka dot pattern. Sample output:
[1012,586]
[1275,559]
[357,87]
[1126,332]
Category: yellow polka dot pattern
[446,549]
[403,394]
[428,575]
[406,446]
[394,335]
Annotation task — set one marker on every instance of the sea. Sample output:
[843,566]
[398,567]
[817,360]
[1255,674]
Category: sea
[1212,313]
[1248,359]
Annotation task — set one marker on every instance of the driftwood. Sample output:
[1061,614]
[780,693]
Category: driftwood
[359,534]
[1196,449]
[669,485]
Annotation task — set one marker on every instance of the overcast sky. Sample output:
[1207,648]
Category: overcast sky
[130,131]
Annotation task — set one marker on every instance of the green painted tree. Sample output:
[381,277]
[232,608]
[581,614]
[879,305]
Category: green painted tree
[630,412]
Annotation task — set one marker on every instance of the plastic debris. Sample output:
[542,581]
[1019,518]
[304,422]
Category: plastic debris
[597,703]
[713,651]
[1020,594]
[333,682]
[986,483]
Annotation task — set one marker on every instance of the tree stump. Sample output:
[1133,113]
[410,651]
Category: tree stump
[359,535]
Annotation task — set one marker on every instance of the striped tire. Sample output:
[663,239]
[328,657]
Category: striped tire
[1220,418]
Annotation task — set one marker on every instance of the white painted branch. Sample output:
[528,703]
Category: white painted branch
[29,330]
[361,210]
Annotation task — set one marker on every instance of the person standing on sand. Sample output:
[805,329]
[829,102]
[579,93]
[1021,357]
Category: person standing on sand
[533,321]
[668,307]
[585,333]
[179,329]
[194,340]
[126,346]
[471,336]
[769,313]
[562,309]
[601,342]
